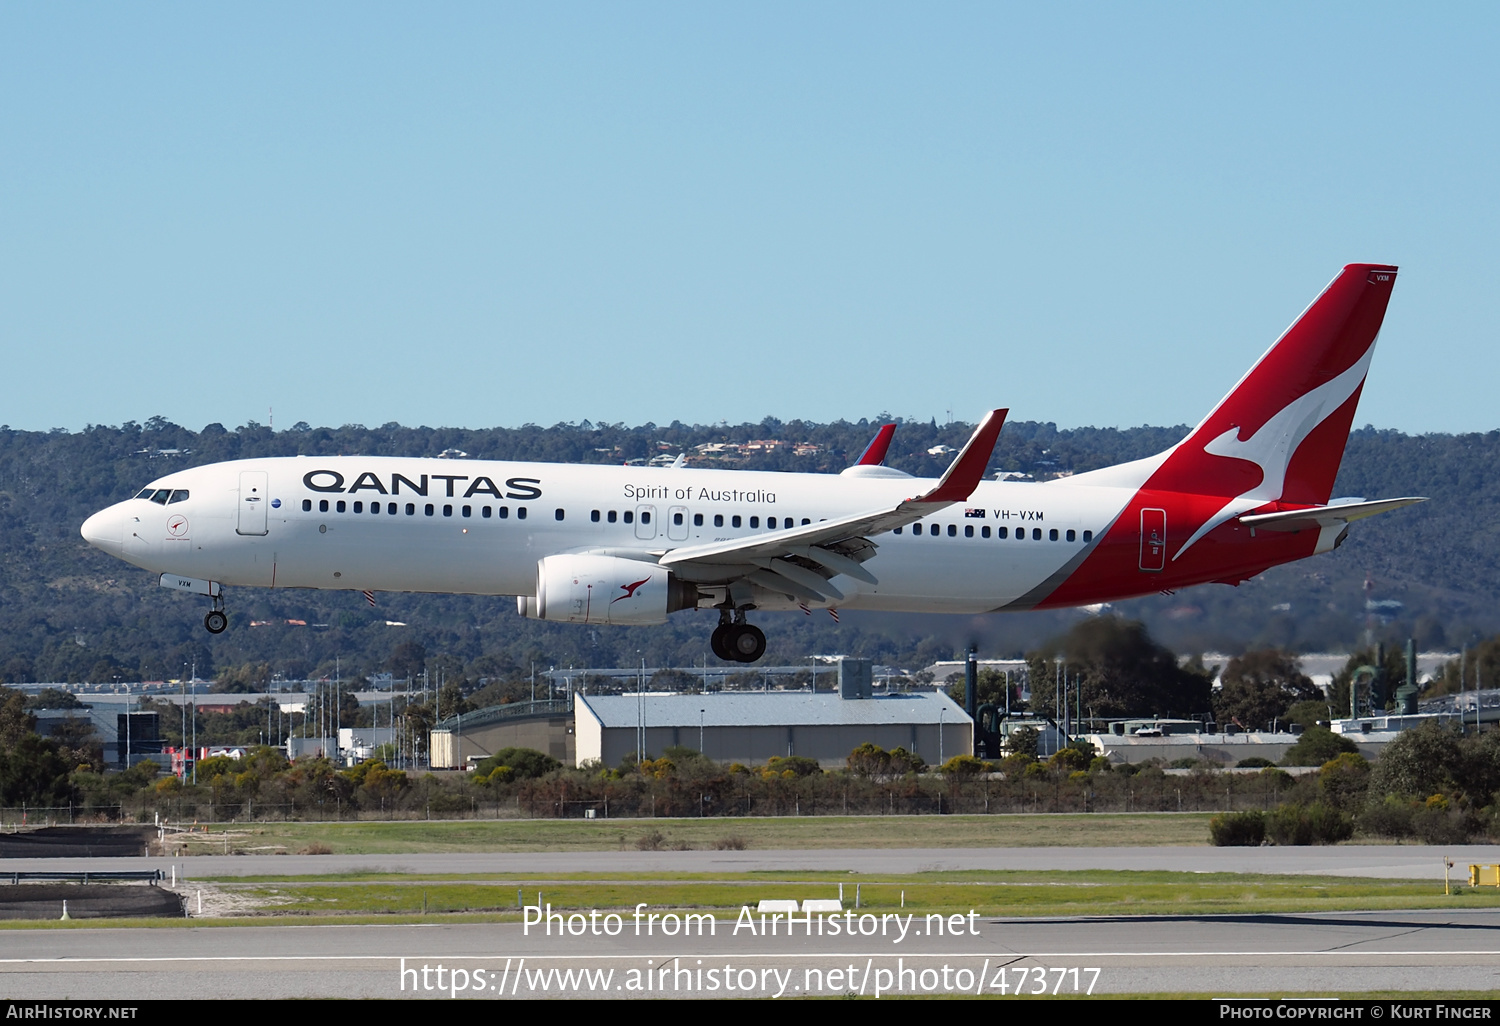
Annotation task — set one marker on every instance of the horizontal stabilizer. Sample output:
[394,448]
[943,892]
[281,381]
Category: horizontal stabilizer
[1324,516]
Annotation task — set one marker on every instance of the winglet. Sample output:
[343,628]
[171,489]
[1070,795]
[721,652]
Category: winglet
[874,454]
[968,468]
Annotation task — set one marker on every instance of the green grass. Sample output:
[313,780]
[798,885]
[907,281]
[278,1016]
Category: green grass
[759,833]
[991,894]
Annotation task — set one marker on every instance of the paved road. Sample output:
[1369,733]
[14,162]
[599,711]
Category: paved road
[1443,951]
[1390,861]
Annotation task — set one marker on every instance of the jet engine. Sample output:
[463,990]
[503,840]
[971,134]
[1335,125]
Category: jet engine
[605,589]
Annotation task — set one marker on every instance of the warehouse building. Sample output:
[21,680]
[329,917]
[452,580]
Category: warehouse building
[753,726]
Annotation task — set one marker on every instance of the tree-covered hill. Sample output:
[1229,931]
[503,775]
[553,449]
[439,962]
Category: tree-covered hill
[68,612]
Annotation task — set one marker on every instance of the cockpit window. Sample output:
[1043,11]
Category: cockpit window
[178,495]
[145,493]
[161,496]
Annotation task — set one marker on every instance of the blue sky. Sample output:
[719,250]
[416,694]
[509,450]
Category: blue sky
[495,214]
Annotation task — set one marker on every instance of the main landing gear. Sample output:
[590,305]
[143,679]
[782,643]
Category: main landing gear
[736,641]
[217,620]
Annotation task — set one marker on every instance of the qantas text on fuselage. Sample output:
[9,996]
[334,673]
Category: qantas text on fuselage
[1247,489]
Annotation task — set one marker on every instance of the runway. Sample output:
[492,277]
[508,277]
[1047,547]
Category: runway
[1284,954]
[1380,861]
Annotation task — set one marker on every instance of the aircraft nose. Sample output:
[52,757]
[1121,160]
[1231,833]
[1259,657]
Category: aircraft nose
[103,530]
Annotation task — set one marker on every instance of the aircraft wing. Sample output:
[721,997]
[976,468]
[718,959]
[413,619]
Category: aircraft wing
[1324,516]
[799,561]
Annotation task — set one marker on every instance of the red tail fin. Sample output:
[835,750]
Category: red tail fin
[1280,434]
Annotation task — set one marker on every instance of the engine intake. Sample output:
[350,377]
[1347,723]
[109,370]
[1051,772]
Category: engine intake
[605,589]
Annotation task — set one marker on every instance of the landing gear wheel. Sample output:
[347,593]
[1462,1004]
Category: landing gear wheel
[216,622]
[746,643]
[719,642]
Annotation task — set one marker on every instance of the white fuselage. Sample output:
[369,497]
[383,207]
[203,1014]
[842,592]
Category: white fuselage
[480,527]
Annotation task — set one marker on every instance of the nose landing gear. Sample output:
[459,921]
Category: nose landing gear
[736,641]
[217,620]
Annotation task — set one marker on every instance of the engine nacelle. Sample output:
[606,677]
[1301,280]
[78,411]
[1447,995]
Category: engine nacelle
[605,589]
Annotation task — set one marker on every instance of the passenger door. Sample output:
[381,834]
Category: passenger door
[253,503]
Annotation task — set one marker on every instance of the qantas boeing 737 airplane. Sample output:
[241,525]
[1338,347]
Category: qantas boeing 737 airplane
[1247,489]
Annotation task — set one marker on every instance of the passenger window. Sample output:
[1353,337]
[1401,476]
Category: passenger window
[645,517]
[1052,535]
[468,510]
[718,520]
[178,495]
[1002,532]
[447,510]
[557,514]
[484,511]
[755,521]
[1072,535]
[340,507]
[1088,536]
[411,509]
[613,516]
[805,521]
[896,531]
[697,519]
[359,507]
[307,505]
[390,509]
[322,505]
[916,529]
[734,521]
[984,532]
[629,517]
[427,508]
[952,530]
[503,512]
[1036,534]
[594,516]
[968,530]
[677,519]
[520,512]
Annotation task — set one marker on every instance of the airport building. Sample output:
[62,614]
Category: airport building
[748,727]
[753,726]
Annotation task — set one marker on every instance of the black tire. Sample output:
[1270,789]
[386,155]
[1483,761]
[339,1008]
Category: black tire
[215,622]
[747,643]
[718,641]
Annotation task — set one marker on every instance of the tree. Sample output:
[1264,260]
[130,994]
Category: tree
[15,722]
[407,660]
[1123,672]
[527,763]
[989,688]
[1259,687]
[53,698]
[1420,763]
[1023,741]
[1316,746]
